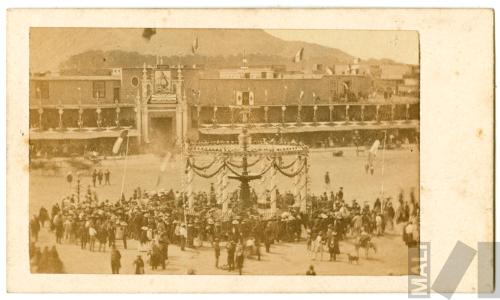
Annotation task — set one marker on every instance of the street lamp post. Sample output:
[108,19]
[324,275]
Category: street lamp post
[245,177]
[60,111]
[117,120]
[40,109]
[98,111]
[80,109]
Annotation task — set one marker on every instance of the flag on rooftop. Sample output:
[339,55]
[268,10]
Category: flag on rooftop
[194,47]
[299,56]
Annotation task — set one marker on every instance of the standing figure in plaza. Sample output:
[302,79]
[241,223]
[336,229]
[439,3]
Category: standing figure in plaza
[327,181]
[111,235]
[83,232]
[115,260]
[311,271]
[333,246]
[107,174]
[240,257]
[43,216]
[231,248]
[318,247]
[94,177]
[216,252]
[340,194]
[139,265]
[183,236]
[102,237]
[100,177]
[124,234]
[59,228]
[92,236]
[69,179]
[34,228]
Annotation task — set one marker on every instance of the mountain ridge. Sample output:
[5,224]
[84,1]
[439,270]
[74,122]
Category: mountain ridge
[56,48]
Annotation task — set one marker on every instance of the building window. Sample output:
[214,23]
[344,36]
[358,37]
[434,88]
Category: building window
[135,82]
[42,89]
[263,75]
[99,89]
[247,75]
[116,94]
[246,98]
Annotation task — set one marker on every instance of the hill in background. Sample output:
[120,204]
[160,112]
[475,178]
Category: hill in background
[96,48]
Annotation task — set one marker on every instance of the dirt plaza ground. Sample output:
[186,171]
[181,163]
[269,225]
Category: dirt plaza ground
[400,173]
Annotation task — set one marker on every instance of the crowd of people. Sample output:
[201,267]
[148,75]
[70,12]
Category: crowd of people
[159,220]
[46,261]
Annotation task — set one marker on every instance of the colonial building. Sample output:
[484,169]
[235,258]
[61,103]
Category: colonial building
[72,114]
[163,105]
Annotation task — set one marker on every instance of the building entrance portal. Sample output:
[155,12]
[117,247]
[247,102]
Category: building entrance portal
[162,133]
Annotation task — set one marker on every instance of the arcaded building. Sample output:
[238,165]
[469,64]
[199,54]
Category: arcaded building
[162,105]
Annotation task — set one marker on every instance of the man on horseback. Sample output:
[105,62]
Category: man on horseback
[364,241]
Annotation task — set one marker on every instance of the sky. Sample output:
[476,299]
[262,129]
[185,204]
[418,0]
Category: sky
[400,46]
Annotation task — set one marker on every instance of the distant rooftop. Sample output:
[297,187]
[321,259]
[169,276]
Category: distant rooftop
[74,77]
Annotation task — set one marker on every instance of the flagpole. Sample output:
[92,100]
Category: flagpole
[184,173]
[125,167]
[383,162]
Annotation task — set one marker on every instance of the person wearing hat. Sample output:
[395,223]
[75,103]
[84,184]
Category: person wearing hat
[124,227]
[240,256]
[102,237]
[183,236]
[333,246]
[34,228]
[115,260]
[216,252]
[340,194]
[231,248]
[379,225]
[107,174]
[311,271]
[389,214]
[327,181]
[318,246]
[139,265]
[163,243]
[100,177]
[268,237]
[92,236]
[94,178]
[111,235]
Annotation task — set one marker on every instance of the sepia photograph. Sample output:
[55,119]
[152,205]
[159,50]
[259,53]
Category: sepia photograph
[250,150]
[174,151]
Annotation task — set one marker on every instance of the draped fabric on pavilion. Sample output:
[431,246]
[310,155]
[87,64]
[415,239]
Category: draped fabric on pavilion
[270,165]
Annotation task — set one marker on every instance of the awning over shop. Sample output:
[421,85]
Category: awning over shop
[309,127]
[77,134]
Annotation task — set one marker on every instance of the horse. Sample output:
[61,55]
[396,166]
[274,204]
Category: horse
[365,243]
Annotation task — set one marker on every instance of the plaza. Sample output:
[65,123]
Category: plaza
[400,174]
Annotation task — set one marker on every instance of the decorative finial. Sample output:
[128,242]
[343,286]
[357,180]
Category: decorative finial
[144,72]
[244,58]
[179,72]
